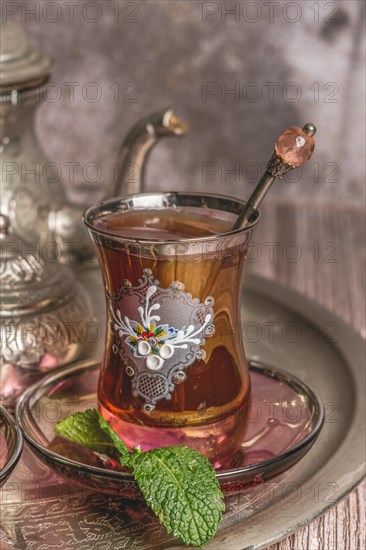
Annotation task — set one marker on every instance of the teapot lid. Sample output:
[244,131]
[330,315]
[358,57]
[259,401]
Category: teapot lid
[21,64]
[29,282]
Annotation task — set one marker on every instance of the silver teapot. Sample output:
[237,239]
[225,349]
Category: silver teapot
[46,316]
[32,196]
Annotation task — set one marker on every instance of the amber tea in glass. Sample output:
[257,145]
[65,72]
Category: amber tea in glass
[174,370]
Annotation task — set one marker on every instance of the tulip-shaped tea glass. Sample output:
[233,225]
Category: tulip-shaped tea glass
[174,369]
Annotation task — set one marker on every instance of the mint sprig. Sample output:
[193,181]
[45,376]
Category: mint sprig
[87,429]
[180,486]
[178,483]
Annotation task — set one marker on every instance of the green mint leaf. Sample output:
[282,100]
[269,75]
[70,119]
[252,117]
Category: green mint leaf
[125,453]
[90,430]
[178,483]
[180,486]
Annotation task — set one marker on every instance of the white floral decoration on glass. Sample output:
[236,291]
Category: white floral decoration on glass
[152,341]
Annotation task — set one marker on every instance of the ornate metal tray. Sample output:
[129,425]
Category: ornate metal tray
[40,511]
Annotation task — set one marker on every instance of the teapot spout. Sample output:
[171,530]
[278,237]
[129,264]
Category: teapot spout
[134,151]
[65,222]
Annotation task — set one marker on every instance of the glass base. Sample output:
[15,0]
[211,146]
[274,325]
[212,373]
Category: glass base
[219,441]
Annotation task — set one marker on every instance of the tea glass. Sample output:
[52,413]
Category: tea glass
[174,370]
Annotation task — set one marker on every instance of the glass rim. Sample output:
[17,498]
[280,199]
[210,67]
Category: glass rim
[169,199]
[15,450]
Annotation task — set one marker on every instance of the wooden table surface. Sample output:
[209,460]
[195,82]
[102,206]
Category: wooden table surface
[320,252]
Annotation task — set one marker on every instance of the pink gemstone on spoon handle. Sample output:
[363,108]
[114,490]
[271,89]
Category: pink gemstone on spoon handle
[295,146]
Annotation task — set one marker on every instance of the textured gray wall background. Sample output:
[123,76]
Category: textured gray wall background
[171,50]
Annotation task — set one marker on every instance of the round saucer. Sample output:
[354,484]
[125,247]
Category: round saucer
[11,445]
[283,421]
